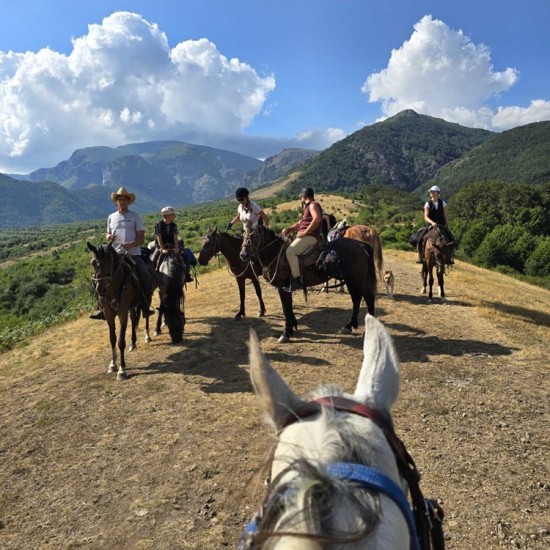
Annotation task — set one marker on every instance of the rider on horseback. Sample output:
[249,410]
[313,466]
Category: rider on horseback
[248,211]
[308,230]
[126,231]
[167,237]
[435,213]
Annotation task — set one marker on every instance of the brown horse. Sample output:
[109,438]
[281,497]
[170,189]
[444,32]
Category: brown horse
[437,254]
[344,259]
[117,288]
[365,234]
[216,242]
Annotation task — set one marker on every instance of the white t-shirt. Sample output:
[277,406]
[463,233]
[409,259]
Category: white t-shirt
[250,215]
[125,227]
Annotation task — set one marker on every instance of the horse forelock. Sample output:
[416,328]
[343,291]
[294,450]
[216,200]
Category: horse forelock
[304,500]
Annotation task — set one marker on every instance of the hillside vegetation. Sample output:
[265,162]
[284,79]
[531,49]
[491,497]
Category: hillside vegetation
[519,155]
[402,152]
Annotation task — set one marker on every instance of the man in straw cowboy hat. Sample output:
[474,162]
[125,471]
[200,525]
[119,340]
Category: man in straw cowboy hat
[126,231]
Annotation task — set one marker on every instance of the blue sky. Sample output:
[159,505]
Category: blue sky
[257,76]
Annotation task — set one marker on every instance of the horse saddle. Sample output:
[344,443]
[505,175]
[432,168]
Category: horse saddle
[310,255]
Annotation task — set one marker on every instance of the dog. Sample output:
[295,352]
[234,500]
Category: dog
[388,281]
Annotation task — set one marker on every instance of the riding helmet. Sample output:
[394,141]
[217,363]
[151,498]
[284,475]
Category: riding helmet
[241,193]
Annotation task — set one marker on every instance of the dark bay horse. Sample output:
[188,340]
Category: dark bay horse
[365,234]
[171,280]
[437,254]
[216,242]
[117,288]
[344,259]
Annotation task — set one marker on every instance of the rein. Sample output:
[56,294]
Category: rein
[109,278]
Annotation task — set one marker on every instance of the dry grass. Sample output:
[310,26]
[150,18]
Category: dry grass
[166,460]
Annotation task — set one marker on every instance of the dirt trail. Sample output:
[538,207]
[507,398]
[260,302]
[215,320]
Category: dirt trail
[165,460]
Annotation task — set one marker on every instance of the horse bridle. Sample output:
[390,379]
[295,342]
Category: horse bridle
[419,516]
[95,279]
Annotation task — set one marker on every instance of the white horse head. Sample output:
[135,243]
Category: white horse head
[304,499]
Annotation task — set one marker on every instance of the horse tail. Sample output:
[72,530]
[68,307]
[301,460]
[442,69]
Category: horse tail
[371,273]
[377,251]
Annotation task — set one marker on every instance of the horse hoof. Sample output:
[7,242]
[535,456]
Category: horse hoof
[147,339]
[423,291]
[283,339]
[111,369]
[122,376]
[430,300]
[261,313]
[132,347]
[238,317]
[156,332]
[345,330]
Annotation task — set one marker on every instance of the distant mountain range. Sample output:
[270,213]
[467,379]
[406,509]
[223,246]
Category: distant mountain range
[159,173]
[408,151]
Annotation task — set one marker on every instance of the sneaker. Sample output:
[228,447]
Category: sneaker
[189,278]
[99,316]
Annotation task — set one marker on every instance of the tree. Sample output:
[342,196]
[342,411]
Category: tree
[538,263]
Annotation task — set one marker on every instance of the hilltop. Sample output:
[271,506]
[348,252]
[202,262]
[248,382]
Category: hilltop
[167,459]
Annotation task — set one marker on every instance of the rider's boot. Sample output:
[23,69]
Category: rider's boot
[98,315]
[295,284]
[420,258]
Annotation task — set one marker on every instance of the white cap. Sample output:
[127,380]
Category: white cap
[167,210]
[434,188]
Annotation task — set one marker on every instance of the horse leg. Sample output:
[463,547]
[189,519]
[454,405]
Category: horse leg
[424,278]
[440,279]
[160,316]
[134,318]
[112,337]
[258,290]
[121,374]
[356,298]
[290,319]
[240,283]
[147,335]
[431,283]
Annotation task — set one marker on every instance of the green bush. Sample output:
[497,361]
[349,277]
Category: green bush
[538,263]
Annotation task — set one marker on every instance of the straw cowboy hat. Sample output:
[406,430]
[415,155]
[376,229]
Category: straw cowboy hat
[123,193]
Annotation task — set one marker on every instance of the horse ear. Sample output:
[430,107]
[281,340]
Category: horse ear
[275,398]
[91,247]
[378,383]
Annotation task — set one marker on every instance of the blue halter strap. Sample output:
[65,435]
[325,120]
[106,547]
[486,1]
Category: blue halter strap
[377,481]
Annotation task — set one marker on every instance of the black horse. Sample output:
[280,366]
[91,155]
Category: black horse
[117,288]
[171,279]
[347,260]
[216,242]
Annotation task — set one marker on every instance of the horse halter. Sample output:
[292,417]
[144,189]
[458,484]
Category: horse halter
[368,477]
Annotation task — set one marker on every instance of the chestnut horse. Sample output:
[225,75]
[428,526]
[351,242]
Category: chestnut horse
[437,254]
[344,259]
[365,234]
[216,242]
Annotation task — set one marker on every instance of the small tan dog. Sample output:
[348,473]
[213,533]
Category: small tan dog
[388,281]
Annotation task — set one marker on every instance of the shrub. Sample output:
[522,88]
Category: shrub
[538,263]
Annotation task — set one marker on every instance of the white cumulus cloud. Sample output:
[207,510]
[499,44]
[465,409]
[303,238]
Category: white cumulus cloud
[440,72]
[121,83]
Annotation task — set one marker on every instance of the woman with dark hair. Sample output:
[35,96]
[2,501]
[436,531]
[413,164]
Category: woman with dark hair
[248,211]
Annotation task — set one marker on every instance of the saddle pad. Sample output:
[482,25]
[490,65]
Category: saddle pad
[310,255]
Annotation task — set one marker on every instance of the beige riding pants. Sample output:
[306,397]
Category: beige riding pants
[296,247]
